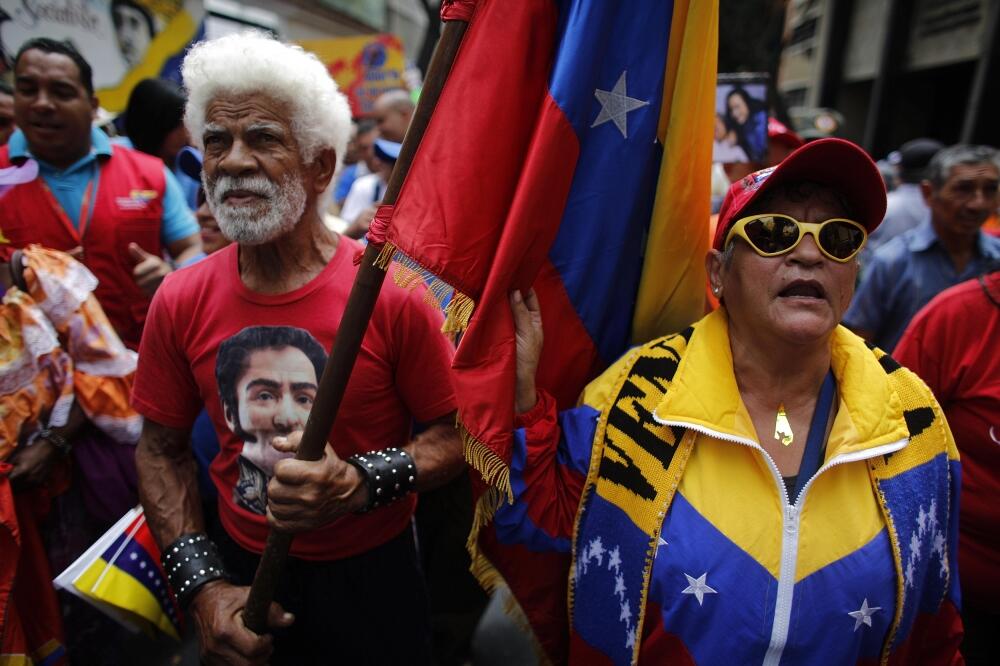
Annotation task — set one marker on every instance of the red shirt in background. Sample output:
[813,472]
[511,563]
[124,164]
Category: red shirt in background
[401,376]
[953,345]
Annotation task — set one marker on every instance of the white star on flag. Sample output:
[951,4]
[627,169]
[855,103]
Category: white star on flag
[615,106]
[698,587]
[864,614]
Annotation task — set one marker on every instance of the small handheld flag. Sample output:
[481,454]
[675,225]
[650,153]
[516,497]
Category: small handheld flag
[121,576]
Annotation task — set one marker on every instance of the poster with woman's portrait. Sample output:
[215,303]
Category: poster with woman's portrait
[740,118]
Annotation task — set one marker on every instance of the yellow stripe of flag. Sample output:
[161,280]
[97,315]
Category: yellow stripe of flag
[111,585]
[672,289]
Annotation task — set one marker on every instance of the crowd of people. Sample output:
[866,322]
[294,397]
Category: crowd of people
[170,296]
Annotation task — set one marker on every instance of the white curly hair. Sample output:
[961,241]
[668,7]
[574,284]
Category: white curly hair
[252,62]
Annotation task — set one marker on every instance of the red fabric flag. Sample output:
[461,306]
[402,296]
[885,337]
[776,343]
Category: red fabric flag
[500,144]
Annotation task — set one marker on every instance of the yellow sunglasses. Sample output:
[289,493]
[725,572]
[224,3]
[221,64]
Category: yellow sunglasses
[771,234]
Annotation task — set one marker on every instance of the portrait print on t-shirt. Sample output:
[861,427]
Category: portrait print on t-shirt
[267,378]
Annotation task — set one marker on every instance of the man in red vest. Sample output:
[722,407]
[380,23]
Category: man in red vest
[115,209]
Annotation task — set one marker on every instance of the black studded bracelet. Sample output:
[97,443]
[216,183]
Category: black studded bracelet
[389,474]
[190,562]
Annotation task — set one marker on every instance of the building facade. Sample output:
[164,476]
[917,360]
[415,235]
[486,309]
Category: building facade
[896,69]
[296,20]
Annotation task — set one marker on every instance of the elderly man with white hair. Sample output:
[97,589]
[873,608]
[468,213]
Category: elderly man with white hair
[245,333]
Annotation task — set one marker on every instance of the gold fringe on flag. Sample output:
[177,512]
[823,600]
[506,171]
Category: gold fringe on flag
[408,274]
[485,573]
[486,508]
[458,313]
[482,458]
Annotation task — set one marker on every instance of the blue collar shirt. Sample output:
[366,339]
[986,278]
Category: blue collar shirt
[904,275]
[68,185]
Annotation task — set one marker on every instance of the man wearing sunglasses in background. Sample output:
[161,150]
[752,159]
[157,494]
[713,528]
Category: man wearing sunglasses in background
[962,190]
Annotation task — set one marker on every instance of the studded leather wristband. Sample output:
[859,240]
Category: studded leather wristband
[190,562]
[389,475]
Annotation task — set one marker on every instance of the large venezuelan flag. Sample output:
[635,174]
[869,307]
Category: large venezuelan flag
[571,151]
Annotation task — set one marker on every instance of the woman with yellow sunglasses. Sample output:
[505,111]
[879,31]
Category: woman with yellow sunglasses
[760,488]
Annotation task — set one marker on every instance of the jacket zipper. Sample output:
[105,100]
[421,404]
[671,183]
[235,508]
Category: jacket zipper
[789,526]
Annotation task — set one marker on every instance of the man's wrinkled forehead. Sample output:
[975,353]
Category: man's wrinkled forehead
[273,127]
[972,172]
[257,105]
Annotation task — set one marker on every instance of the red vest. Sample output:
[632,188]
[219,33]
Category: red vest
[128,208]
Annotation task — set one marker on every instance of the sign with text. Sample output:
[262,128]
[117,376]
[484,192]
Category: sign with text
[364,67]
[124,41]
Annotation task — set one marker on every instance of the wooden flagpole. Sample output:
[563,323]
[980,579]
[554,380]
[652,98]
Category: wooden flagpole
[360,305]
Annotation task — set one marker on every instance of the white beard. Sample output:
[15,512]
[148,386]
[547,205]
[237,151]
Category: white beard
[275,215]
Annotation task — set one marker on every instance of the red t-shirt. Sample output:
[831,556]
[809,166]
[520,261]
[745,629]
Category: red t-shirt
[953,345]
[254,360]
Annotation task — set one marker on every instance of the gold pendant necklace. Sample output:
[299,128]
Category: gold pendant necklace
[782,428]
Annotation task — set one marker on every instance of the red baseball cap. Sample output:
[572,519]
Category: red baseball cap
[836,163]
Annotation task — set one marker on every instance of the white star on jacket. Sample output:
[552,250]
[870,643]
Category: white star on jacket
[616,105]
[864,614]
[698,587]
